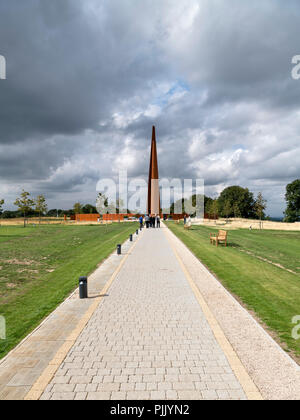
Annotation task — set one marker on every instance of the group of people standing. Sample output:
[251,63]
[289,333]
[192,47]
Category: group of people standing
[187,221]
[150,221]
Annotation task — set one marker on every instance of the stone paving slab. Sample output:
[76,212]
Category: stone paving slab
[20,369]
[148,339]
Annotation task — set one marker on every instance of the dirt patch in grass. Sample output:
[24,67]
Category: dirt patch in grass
[266,260]
[18,262]
[22,270]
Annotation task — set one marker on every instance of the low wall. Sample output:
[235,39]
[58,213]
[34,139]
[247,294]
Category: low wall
[94,217]
[31,221]
[87,217]
[115,217]
[246,223]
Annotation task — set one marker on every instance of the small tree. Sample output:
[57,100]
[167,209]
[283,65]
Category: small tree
[24,203]
[227,209]
[1,206]
[89,209]
[119,206]
[40,206]
[292,196]
[101,204]
[215,208]
[240,196]
[207,204]
[236,210]
[77,208]
[210,210]
[259,207]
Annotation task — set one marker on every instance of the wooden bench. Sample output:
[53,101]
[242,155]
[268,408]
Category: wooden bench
[220,237]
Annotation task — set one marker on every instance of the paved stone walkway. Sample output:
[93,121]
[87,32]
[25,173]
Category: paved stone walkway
[147,339]
[25,364]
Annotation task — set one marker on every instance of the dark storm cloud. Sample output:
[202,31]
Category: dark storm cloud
[87,80]
[66,67]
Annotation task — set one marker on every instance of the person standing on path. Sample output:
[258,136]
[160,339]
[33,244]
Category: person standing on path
[158,221]
[153,221]
[147,221]
[141,221]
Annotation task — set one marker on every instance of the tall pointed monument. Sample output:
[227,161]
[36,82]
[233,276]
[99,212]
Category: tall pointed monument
[153,205]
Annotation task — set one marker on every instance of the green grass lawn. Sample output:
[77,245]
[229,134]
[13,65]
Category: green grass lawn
[271,292]
[40,266]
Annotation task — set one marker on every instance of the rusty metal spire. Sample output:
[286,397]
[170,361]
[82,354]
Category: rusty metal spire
[153,206]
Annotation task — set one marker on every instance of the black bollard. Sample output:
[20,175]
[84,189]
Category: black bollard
[83,288]
[130,238]
[137,231]
[119,249]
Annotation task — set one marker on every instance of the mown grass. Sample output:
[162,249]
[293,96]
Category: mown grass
[273,293]
[40,266]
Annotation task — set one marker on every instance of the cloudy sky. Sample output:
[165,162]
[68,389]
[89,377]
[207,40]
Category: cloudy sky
[86,80]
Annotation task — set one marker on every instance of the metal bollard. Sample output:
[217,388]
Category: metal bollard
[137,231]
[130,238]
[119,249]
[83,288]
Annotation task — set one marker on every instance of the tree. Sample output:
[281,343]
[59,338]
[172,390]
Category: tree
[102,204]
[9,214]
[227,209]
[177,206]
[89,209]
[58,212]
[24,203]
[203,201]
[292,197]
[259,207]
[40,206]
[119,206]
[77,208]
[236,211]
[207,204]
[210,209]
[215,208]
[192,206]
[240,197]
[1,206]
